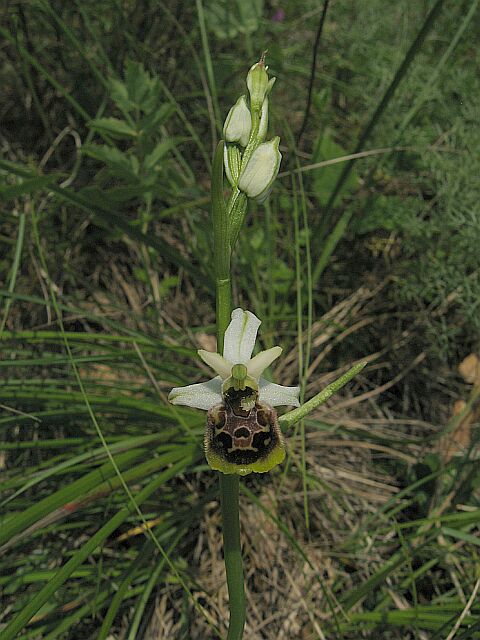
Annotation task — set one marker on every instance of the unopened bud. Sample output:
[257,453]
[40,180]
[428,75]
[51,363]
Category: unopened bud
[262,168]
[258,84]
[238,124]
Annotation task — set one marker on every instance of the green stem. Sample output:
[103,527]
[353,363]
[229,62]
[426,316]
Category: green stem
[229,484]
[290,418]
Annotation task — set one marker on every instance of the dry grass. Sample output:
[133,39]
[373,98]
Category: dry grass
[289,595]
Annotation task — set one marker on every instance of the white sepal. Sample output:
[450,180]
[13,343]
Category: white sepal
[240,336]
[199,396]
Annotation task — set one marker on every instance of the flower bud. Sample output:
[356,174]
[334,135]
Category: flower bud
[262,168]
[258,84]
[238,124]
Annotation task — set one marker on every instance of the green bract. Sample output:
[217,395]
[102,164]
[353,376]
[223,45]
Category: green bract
[232,159]
[263,126]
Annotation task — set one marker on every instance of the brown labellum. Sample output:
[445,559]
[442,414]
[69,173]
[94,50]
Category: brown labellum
[242,430]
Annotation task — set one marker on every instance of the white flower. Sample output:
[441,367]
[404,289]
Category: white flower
[258,176]
[239,342]
[238,123]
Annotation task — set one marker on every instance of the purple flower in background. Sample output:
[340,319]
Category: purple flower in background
[279,15]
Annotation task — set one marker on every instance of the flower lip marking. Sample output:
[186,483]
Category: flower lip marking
[242,437]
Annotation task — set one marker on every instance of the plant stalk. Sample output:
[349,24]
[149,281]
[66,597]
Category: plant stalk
[229,484]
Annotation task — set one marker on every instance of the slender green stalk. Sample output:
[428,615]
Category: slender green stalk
[294,416]
[299,286]
[229,487]
[208,62]
[229,484]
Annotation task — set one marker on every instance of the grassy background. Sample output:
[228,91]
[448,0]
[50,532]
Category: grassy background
[109,116]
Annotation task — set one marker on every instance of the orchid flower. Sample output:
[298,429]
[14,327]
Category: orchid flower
[242,430]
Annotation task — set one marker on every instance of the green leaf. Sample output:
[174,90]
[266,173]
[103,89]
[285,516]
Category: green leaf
[161,150]
[138,82]
[117,161]
[105,197]
[390,213]
[154,119]
[257,238]
[141,274]
[325,178]
[283,277]
[227,19]
[81,554]
[170,282]
[39,509]
[111,218]
[119,94]
[113,126]
[9,191]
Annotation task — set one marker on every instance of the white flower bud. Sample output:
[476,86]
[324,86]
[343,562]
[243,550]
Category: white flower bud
[262,168]
[238,124]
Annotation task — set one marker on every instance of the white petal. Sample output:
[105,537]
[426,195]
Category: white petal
[203,395]
[276,394]
[262,361]
[216,362]
[240,336]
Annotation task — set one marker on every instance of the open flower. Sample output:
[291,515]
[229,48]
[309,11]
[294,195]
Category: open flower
[242,432]
[239,342]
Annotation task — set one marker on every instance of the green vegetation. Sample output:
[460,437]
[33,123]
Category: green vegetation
[109,521]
